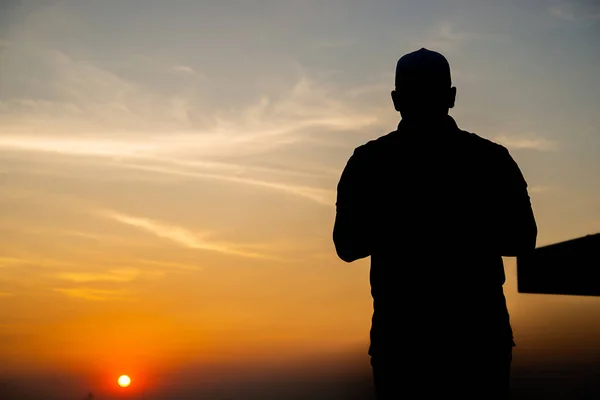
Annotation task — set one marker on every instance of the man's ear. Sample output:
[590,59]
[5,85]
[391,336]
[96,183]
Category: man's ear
[452,97]
[396,100]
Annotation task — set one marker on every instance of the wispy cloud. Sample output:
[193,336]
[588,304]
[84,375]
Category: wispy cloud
[85,96]
[171,265]
[114,275]
[77,146]
[321,196]
[80,95]
[183,68]
[528,142]
[576,10]
[273,124]
[180,236]
[94,294]
[561,11]
[11,261]
[451,36]
[5,294]
[41,262]
[376,88]
[147,157]
[94,112]
[334,43]
[541,189]
[446,37]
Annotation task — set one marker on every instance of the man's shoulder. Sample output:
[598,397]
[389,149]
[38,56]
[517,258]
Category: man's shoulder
[374,146]
[483,145]
[379,146]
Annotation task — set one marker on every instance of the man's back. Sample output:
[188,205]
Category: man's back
[434,205]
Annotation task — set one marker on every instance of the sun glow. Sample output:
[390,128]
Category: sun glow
[124,381]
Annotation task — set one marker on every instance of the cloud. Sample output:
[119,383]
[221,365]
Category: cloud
[68,93]
[334,43]
[449,36]
[5,294]
[14,261]
[11,261]
[114,275]
[93,294]
[541,189]
[147,157]
[576,10]
[83,235]
[183,68]
[526,142]
[88,110]
[320,196]
[369,89]
[180,236]
[172,265]
[237,168]
[561,11]
[77,146]
[445,37]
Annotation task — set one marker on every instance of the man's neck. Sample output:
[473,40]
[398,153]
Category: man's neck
[431,123]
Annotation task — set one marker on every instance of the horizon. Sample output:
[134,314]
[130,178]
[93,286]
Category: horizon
[130,133]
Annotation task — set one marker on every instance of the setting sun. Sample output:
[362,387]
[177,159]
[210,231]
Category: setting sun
[124,381]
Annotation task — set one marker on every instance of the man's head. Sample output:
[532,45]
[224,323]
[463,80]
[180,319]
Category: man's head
[423,86]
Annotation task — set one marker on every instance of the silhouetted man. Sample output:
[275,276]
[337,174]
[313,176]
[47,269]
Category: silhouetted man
[436,208]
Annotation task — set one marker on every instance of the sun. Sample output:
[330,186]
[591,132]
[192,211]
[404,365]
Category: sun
[124,381]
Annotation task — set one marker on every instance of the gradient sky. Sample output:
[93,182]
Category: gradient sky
[168,174]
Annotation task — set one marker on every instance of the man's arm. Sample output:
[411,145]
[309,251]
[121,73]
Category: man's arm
[351,232]
[516,229]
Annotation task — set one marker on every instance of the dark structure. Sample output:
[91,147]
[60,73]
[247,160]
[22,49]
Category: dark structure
[566,268]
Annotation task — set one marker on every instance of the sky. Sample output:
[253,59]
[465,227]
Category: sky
[168,175]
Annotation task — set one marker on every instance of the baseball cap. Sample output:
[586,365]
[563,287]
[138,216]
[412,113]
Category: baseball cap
[423,68]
